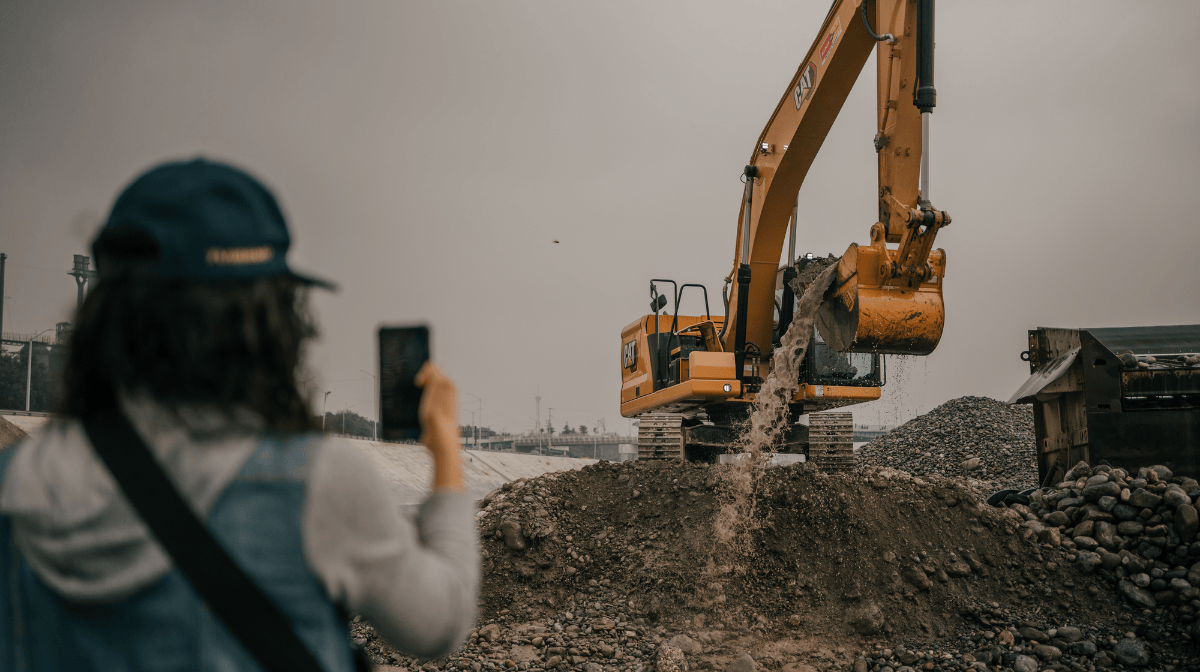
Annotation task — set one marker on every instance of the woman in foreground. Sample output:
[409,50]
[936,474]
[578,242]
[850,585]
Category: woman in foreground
[195,334]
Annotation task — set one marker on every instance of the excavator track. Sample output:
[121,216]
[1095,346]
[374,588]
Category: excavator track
[660,436]
[831,441]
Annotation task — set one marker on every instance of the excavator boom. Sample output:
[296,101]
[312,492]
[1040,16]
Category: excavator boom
[886,300]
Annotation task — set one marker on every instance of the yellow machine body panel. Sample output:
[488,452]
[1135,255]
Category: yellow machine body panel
[636,364]
[704,376]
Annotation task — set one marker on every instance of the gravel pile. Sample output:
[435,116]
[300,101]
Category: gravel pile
[985,440]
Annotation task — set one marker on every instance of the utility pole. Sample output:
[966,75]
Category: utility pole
[537,419]
[375,421]
[323,402]
[29,372]
[2,258]
[82,274]
[477,432]
[29,376]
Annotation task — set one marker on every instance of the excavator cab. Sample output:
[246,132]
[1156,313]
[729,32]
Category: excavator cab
[825,366]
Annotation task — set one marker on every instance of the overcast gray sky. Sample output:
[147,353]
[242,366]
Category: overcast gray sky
[428,153]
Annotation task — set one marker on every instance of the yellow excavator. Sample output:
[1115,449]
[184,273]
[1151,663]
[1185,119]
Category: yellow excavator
[691,379]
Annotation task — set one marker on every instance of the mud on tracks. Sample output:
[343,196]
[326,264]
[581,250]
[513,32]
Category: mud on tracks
[877,553]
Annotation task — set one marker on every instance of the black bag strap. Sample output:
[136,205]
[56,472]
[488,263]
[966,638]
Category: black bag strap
[246,611]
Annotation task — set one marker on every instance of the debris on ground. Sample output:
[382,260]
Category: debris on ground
[9,433]
[977,438]
[612,569]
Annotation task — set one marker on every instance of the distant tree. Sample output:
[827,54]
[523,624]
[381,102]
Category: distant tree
[567,429]
[583,429]
[12,381]
[14,373]
[349,423]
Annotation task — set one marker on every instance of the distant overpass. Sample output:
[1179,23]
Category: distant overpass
[591,446]
[603,447]
[865,433]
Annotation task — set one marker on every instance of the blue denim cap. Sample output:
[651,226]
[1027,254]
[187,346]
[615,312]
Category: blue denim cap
[211,222]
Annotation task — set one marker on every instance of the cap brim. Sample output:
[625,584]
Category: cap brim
[315,282]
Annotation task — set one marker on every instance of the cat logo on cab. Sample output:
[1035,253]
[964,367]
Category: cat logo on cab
[629,355]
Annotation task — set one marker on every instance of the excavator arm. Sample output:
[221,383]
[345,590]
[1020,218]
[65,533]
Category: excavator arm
[884,299]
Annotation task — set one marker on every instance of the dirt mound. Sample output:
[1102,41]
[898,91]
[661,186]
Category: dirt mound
[9,433]
[863,554]
[976,437]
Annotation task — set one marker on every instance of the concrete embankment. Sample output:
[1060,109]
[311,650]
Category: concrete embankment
[409,469]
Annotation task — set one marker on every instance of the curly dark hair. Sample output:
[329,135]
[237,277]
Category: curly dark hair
[228,344]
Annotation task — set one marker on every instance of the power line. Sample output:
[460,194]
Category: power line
[39,268]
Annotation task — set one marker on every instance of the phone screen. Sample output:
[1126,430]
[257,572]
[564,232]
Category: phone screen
[402,353]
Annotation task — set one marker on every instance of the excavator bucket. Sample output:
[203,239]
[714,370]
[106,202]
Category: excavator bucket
[866,311]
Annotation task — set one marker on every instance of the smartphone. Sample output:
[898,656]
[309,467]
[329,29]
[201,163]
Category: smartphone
[402,353]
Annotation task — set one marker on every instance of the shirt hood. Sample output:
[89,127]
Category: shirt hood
[74,526]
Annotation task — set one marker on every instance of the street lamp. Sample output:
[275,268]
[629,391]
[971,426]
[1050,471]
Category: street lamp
[323,402]
[344,411]
[29,373]
[375,422]
[472,425]
[475,431]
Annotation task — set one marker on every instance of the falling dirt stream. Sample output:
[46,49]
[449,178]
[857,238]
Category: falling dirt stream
[768,419]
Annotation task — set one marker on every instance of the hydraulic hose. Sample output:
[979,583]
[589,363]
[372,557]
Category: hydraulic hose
[867,24]
[725,299]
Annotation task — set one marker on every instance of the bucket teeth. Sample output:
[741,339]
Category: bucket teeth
[831,441]
[660,436]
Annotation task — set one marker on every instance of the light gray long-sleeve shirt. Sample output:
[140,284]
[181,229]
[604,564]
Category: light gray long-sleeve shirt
[416,581]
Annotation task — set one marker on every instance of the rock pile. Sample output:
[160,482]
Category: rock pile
[1015,643]
[974,437]
[1138,532]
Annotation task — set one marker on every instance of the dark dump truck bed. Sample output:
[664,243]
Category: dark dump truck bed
[1125,396]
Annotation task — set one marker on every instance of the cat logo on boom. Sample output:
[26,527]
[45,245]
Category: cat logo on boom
[804,88]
